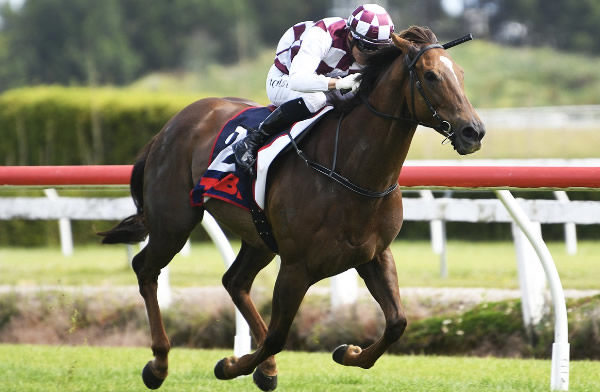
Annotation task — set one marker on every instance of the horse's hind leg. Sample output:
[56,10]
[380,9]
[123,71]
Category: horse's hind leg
[382,281]
[166,239]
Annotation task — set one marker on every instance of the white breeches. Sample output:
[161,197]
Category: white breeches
[279,92]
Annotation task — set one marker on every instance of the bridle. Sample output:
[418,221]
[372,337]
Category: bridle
[444,126]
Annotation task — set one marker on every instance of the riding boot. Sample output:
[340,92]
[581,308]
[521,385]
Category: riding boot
[284,116]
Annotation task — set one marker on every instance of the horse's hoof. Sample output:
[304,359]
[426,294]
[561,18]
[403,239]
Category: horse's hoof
[219,370]
[339,352]
[264,382]
[150,379]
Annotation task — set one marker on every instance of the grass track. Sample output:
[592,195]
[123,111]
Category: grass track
[474,264]
[50,368]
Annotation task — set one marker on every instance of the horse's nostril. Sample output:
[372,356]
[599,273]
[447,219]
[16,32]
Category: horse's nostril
[470,133]
[481,133]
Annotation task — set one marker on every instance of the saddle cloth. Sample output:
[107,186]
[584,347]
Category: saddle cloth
[223,181]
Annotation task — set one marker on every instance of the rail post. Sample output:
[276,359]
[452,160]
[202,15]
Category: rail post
[64,227]
[559,376]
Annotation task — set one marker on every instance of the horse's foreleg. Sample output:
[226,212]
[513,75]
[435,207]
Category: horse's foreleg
[382,281]
[290,288]
[238,281]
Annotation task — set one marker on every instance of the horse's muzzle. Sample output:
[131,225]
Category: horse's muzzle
[468,139]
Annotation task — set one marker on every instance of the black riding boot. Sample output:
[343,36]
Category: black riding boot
[284,116]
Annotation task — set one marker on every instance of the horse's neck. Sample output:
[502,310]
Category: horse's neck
[380,145]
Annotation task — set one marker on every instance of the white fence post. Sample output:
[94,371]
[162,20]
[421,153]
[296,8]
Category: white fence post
[344,288]
[435,225]
[438,235]
[64,227]
[532,279]
[570,229]
[163,293]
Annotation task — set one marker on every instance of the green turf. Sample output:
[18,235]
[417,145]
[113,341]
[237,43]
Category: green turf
[47,368]
[476,264]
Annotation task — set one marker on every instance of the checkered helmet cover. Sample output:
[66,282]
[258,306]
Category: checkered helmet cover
[371,23]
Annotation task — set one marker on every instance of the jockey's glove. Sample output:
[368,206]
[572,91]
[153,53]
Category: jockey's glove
[348,83]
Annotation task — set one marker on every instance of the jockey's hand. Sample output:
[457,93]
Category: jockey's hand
[348,83]
[336,97]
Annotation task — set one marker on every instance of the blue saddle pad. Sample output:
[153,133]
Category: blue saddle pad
[222,180]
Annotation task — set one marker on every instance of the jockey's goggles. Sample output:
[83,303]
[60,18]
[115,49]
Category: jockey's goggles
[365,45]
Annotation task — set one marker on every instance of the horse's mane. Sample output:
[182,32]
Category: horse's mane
[378,62]
[382,59]
[419,35]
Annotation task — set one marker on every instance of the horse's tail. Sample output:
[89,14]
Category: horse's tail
[133,228]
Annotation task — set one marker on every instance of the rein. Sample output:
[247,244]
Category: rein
[335,176]
[443,128]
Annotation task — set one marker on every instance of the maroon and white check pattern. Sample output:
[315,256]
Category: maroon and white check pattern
[338,60]
[372,22]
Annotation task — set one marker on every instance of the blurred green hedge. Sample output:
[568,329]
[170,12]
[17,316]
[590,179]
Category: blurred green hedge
[53,125]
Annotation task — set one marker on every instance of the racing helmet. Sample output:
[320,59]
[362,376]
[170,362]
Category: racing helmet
[371,27]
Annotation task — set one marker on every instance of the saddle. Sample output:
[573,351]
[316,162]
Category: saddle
[222,180]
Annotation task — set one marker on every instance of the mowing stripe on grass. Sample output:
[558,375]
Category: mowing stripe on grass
[28,368]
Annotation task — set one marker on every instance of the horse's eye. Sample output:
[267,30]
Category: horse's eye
[430,76]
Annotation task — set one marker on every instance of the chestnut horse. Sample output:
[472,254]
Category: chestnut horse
[322,228]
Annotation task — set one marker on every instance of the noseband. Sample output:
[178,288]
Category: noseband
[444,126]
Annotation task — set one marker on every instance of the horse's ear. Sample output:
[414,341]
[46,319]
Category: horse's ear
[401,43]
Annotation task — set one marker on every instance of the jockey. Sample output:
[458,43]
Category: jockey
[312,61]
